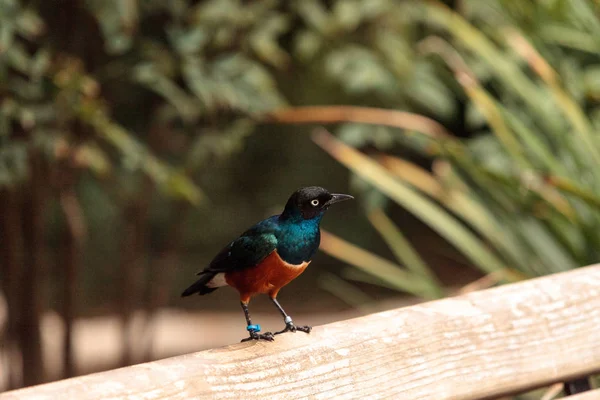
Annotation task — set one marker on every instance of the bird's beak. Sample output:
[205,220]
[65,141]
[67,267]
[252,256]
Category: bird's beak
[336,198]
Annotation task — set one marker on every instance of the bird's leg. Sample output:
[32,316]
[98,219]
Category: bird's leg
[289,324]
[254,329]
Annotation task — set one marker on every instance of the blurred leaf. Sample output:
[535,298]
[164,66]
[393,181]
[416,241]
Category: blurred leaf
[128,13]
[18,58]
[591,78]
[506,69]
[315,15]
[358,135]
[403,250]
[547,249]
[14,166]
[374,265]
[137,156]
[218,144]
[533,142]
[358,71]
[428,212]
[220,11]
[306,45]
[571,187]
[345,291]
[430,92]
[347,14]
[6,35]
[234,82]
[29,24]
[264,40]
[569,107]
[364,115]
[117,19]
[40,64]
[151,78]
[566,36]
[190,41]
[95,159]
[467,207]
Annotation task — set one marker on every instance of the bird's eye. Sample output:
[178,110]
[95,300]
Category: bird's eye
[314,202]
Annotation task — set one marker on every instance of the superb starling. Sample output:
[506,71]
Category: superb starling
[270,255]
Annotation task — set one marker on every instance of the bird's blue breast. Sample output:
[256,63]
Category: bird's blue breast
[298,240]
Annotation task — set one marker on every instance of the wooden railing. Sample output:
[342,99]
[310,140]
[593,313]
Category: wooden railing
[480,345]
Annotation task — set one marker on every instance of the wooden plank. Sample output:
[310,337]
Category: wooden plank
[479,345]
[589,395]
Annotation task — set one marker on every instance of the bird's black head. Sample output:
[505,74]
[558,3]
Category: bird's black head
[311,202]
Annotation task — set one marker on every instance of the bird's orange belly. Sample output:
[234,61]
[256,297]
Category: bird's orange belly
[267,277]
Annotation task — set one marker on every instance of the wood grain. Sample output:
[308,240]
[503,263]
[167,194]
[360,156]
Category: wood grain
[480,345]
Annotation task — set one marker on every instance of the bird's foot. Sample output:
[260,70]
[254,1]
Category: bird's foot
[290,327]
[268,336]
[254,335]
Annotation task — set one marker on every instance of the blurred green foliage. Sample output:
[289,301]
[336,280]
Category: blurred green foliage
[525,182]
[127,89]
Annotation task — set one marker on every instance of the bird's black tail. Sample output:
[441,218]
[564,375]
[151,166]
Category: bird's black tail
[200,286]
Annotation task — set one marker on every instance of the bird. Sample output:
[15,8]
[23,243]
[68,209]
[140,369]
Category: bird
[269,255]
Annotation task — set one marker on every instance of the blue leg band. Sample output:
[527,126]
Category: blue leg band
[253,328]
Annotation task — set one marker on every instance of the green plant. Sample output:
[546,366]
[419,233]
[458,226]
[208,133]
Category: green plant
[520,196]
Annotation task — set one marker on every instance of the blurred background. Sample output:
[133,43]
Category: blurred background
[138,137]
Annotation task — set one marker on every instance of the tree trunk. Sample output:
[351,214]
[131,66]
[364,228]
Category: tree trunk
[10,247]
[132,282]
[31,287]
[161,275]
[72,249]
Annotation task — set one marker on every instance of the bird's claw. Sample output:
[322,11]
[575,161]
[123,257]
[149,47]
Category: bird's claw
[304,328]
[268,336]
[290,327]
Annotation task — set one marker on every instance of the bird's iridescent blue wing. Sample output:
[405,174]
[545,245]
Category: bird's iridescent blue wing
[248,250]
